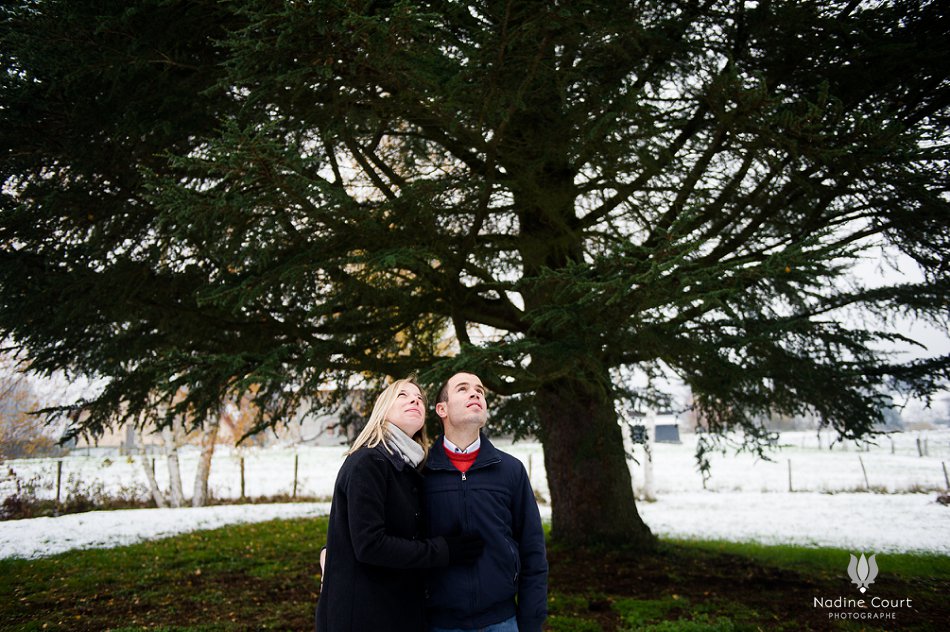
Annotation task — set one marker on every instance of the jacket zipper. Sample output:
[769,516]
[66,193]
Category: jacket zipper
[473,575]
[471,571]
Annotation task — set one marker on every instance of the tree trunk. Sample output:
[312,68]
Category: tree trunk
[174,470]
[592,501]
[157,494]
[208,437]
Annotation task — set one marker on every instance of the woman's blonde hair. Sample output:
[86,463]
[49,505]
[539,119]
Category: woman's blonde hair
[374,432]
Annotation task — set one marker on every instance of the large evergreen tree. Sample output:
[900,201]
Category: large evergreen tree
[576,190]
[94,94]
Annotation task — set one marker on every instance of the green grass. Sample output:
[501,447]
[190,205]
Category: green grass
[825,561]
[265,577]
[679,614]
[639,612]
[561,623]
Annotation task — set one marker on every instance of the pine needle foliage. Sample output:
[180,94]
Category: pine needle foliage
[294,194]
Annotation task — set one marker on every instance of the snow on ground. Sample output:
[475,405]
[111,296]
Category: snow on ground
[746,499]
[858,522]
[40,537]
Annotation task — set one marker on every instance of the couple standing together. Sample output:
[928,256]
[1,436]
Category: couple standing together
[446,539]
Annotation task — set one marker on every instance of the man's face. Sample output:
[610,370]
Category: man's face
[465,406]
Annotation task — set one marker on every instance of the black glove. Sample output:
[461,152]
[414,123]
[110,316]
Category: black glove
[465,548]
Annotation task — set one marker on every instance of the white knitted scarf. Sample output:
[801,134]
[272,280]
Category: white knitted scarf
[410,451]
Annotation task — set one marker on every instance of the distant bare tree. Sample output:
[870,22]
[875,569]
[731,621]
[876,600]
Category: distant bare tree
[21,433]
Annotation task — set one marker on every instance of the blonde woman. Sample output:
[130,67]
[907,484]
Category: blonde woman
[376,552]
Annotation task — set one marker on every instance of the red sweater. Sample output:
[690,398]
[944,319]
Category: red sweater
[461,461]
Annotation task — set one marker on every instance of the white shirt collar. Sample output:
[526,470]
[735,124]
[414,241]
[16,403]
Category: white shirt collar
[454,448]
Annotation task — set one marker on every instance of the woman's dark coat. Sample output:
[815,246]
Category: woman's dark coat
[374,578]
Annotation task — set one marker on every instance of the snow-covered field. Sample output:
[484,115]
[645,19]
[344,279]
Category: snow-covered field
[746,499]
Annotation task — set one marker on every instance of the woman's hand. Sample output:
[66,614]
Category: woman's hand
[465,548]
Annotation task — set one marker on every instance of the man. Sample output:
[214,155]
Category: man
[471,486]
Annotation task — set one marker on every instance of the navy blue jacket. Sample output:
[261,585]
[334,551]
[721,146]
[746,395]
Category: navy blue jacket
[494,499]
[377,552]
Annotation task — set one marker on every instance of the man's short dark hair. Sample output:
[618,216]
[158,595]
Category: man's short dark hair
[443,395]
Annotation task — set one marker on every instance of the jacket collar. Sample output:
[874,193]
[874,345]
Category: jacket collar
[392,457]
[439,460]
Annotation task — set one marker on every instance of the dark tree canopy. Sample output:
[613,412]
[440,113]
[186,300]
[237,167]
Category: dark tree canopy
[295,194]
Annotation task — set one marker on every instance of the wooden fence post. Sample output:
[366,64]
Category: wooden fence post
[867,485]
[296,463]
[59,482]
